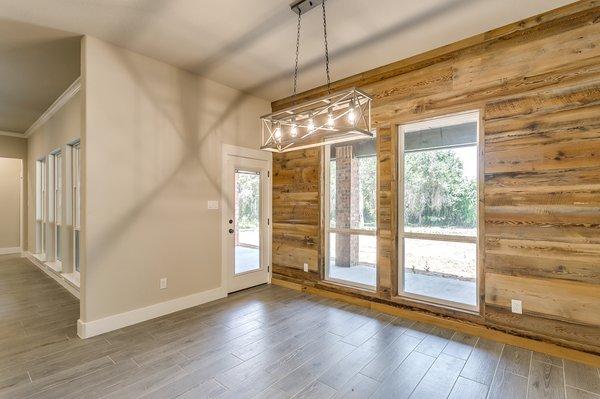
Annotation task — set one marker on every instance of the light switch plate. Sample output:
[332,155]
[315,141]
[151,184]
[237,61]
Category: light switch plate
[306,267]
[213,204]
[516,306]
[163,283]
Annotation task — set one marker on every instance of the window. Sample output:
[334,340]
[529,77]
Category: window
[57,204]
[438,210]
[76,183]
[351,214]
[40,201]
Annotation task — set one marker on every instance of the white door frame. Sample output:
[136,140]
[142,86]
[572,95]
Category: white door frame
[243,152]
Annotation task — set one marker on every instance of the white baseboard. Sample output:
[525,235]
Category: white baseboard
[96,327]
[56,276]
[11,250]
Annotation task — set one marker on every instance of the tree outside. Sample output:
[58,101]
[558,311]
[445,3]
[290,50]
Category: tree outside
[438,195]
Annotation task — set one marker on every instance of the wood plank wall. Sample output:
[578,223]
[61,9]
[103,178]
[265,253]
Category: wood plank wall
[537,85]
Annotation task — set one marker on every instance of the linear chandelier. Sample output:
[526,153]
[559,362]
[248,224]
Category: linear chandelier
[340,116]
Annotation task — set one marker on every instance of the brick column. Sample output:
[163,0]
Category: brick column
[347,206]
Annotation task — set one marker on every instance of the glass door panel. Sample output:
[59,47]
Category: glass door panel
[247,221]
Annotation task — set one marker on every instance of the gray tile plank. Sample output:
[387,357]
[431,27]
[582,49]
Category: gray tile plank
[402,381]
[508,385]
[544,358]
[575,393]
[208,389]
[359,387]
[468,389]
[384,363]
[461,345]
[582,376]
[482,362]
[435,342]
[439,380]
[314,368]
[515,360]
[546,381]
[316,390]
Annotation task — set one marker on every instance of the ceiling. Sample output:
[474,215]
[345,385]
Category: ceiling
[37,65]
[250,45]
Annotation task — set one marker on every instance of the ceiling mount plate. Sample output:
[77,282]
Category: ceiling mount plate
[303,6]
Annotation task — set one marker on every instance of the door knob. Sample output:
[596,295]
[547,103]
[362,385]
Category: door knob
[230,231]
[230,221]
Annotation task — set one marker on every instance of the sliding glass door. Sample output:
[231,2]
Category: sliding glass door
[438,211]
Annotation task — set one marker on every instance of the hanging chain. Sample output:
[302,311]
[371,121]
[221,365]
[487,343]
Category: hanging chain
[326,48]
[297,56]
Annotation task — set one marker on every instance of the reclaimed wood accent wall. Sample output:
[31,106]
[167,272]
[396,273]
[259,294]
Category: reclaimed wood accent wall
[537,85]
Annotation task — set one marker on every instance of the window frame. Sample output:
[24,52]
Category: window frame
[76,204]
[57,159]
[40,205]
[401,234]
[326,220]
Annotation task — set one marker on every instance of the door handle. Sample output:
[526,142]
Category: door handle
[230,231]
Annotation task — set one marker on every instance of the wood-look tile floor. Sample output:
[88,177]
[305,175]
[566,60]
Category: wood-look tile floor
[266,342]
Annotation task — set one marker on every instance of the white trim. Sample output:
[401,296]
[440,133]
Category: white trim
[96,327]
[438,121]
[55,266]
[58,277]
[56,106]
[73,279]
[22,204]
[10,250]
[12,134]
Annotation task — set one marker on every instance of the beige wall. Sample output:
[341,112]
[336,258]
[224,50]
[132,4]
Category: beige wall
[10,198]
[152,143]
[62,128]
[15,147]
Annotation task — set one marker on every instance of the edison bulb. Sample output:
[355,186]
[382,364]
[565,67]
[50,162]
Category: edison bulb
[330,120]
[311,124]
[351,114]
[294,130]
[277,133]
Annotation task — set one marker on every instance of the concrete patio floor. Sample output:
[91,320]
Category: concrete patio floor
[446,288]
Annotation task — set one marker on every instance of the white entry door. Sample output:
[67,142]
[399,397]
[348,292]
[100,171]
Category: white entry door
[246,217]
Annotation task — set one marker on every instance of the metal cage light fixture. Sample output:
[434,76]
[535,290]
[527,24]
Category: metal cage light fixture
[340,116]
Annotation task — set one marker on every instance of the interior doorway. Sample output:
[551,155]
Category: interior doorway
[11,194]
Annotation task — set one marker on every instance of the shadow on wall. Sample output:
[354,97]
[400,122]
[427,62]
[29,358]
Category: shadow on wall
[197,136]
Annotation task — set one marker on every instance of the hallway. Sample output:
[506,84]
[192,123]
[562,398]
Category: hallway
[264,342]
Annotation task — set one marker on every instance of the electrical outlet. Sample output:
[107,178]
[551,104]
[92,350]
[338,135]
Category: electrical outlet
[163,283]
[212,205]
[306,267]
[516,306]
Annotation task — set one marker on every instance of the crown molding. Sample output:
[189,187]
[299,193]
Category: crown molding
[12,134]
[56,106]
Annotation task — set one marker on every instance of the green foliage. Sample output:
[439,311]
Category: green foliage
[437,192]
[247,193]
[367,167]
